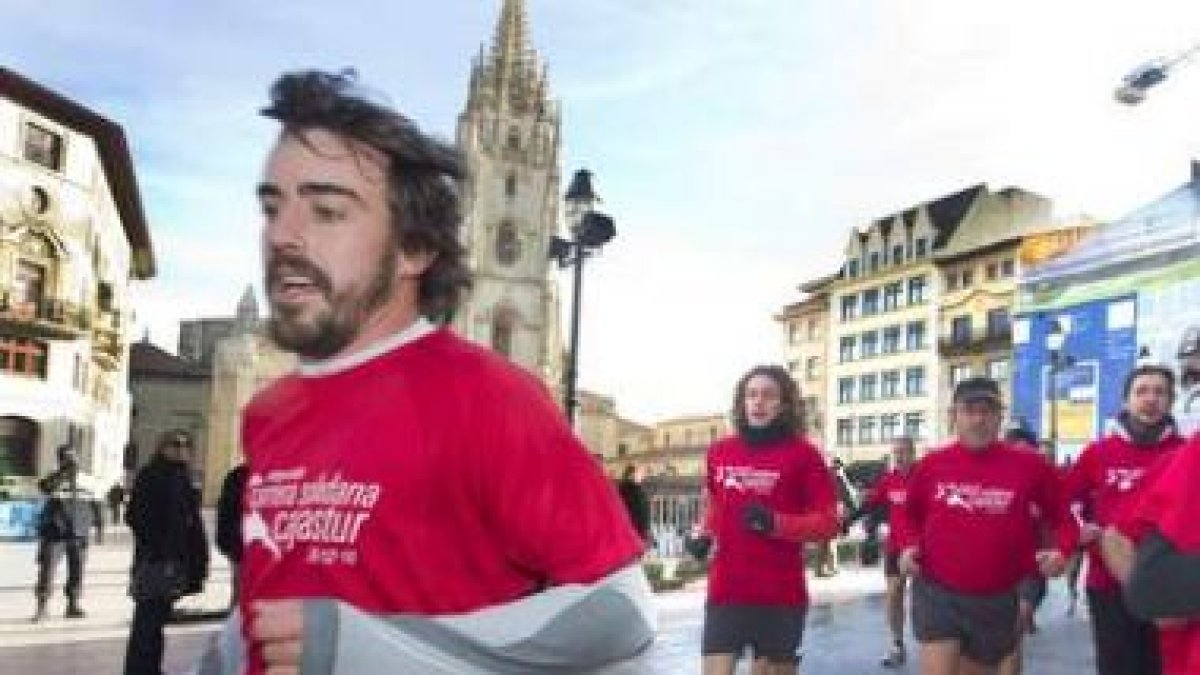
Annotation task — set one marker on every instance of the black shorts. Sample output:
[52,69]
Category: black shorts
[891,565]
[1033,590]
[985,626]
[772,632]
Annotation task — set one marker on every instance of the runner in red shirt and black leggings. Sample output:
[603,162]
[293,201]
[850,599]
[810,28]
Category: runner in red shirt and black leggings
[971,537]
[768,492]
[1109,476]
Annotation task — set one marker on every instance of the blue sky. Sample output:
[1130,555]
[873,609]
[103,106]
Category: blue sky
[736,142]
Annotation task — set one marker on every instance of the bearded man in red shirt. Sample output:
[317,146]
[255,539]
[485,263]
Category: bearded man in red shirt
[971,537]
[414,502]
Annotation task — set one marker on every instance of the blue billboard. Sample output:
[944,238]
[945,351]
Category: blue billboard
[1099,348]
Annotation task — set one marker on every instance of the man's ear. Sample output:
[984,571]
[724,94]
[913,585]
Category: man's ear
[413,264]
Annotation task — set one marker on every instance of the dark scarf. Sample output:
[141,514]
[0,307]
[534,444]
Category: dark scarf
[757,437]
[1142,434]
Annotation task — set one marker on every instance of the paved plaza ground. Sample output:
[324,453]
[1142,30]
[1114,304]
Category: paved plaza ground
[845,633]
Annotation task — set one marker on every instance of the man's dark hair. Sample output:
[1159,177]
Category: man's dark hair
[791,412]
[422,172]
[1150,369]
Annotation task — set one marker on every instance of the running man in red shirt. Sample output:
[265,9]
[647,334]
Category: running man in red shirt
[1162,576]
[414,503]
[889,493]
[1109,476]
[970,537]
[768,492]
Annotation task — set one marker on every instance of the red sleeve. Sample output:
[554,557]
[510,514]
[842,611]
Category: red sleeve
[819,520]
[878,493]
[708,523]
[1078,483]
[1172,501]
[1051,500]
[555,512]
[907,534]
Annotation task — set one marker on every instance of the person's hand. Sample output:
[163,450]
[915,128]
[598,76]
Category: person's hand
[756,517]
[277,628]
[909,562]
[1089,533]
[1051,562]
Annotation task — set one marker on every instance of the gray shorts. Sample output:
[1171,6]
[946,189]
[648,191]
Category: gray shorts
[772,632]
[985,626]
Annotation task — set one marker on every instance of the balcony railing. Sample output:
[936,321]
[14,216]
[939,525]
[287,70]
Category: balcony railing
[47,318]
[977,342]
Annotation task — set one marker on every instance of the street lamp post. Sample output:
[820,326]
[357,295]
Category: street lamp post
[1054,341]
[590,230]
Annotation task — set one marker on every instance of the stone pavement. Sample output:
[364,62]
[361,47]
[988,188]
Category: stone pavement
[845,631]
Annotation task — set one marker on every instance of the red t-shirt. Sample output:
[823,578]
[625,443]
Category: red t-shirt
[433,479]
[1108,476]
[971,516]
[1170,503]
[789,477]
[891,490]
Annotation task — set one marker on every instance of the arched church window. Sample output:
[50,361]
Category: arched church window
[508,246]
[504,323]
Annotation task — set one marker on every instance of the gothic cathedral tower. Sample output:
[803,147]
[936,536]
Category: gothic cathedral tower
[509,133]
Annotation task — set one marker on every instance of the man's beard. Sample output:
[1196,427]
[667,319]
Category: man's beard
[335,326]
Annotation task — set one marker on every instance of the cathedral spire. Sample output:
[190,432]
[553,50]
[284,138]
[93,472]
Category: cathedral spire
[509,73]
[510,48]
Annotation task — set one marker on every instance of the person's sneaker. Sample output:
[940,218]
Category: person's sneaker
[894,658]
[74,612]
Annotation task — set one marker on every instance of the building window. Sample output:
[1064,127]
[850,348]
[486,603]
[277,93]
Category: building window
[811,412]
[29,285]
[18,446]
[897,254]
[993,271]
[958,373]
[891,295]
[866,430]
[870,344]
[920,247]
[891,340]
[952,280]
[914,381]
[510,186]
[514,139]
[852,268]
[998,370]
[968,278]
[1007,268]
[503,325]
[998,325]
[889,427]
[845,390]
[916,290]
[24,357]
[810,368]
[812,329]
[891,384]
[508,247]
[914,425]
[867,387]
[793,333]
[793,368]
[43,147]
[874,258]
[914,338]
[849,307]
[870,302]
[845,432]
[960,329]
[846,348]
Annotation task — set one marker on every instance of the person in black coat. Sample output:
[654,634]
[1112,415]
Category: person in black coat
[164,517]
[634,496]
[229,524]
[63,528]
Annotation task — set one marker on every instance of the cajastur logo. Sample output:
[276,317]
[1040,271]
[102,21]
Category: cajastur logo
[254,529]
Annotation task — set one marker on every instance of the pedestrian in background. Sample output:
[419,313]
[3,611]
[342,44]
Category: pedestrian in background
[768,493]
[1109,477]
[636,505]
[229,526]
[115,498]
[64,526]
[170,553]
